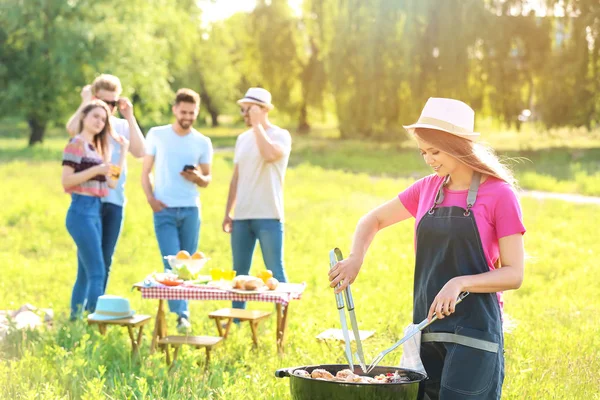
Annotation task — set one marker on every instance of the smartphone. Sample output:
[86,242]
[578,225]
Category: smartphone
[188,167]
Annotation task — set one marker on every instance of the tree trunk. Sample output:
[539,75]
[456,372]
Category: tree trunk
[214,116]
[303,125]
[210,107]
[37,129]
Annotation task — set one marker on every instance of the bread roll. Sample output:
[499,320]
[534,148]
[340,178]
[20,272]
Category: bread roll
[240,281]
[253,284]
[272,283]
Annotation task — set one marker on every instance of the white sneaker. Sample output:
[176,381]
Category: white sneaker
[184,325]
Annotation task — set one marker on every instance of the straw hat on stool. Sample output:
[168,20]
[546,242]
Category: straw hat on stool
[448,115]
[111,307]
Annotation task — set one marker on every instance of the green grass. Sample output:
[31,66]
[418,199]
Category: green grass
[552,353]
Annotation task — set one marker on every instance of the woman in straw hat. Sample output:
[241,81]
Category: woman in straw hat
[468,237]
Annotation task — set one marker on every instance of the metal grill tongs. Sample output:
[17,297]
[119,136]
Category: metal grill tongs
[422,325]
[335,255]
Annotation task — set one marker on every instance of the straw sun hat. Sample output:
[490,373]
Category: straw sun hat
[448,115]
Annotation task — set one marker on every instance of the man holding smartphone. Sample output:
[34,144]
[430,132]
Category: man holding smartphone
[183,158]
[254,208]
[108,89]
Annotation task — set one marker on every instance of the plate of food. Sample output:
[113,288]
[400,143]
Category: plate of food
[187,266]
[168,279]
[201,280]
[246,284]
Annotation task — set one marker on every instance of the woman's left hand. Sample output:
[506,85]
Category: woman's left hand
[445,301]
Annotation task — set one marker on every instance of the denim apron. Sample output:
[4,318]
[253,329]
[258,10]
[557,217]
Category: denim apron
[462,353]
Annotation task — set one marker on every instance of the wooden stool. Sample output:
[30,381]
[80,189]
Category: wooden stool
[131,323]
[208,342]
[253,316]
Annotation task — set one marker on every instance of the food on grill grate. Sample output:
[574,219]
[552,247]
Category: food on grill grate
[321,374]
[347,375]
[301,373]
[391,378]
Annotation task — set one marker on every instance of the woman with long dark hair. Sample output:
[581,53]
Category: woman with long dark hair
[468,237]
[86,176]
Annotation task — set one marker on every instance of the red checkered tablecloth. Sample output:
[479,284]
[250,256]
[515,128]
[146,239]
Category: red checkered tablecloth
[284,293]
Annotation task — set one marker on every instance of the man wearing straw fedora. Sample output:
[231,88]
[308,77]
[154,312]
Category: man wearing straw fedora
[254,208]
[468,238]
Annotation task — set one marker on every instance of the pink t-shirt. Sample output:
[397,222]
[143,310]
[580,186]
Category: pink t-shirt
[497,210]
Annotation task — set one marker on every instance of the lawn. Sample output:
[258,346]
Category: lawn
[552,351]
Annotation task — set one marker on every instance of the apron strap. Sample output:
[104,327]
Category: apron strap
[471,196]
[460,339]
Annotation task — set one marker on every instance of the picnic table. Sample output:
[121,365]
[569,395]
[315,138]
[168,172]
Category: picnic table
[282,296]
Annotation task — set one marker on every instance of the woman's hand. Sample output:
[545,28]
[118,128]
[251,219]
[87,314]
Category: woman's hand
[344,272]
[102,169]
[445,301]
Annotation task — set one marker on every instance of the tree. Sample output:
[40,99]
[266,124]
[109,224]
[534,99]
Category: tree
[45,51]
[273,48]
[213,70]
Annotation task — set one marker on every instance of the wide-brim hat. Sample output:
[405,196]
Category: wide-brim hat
[447,115]
[258,96]
[111,307]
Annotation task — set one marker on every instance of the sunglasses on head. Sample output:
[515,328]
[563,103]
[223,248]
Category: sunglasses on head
[111,103]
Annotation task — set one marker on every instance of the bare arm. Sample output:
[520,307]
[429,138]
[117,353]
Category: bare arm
[147,184]
[231,197]
[510,276]
[269,150]
[73,124]
[70,178]
[381,217]
[136,137]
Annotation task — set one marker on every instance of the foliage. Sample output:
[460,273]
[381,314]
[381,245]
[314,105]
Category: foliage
[368,65]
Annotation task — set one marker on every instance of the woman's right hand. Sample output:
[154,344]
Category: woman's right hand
[344,272]
[102,169]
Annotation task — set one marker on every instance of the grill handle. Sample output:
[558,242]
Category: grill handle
[285,372]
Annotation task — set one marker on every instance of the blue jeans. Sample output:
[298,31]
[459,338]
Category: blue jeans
[269,233]
[112,222]
[85,227]
[177,228]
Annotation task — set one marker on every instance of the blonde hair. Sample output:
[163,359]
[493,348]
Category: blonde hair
[477,156]
[100,139]
[106,82]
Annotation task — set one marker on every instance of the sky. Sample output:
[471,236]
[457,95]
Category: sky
[222,9]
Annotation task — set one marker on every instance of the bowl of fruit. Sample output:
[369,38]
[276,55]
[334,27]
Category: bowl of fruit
[187,266]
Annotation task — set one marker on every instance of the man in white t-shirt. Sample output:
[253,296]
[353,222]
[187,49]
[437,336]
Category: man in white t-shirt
[108,89]
[256,188]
